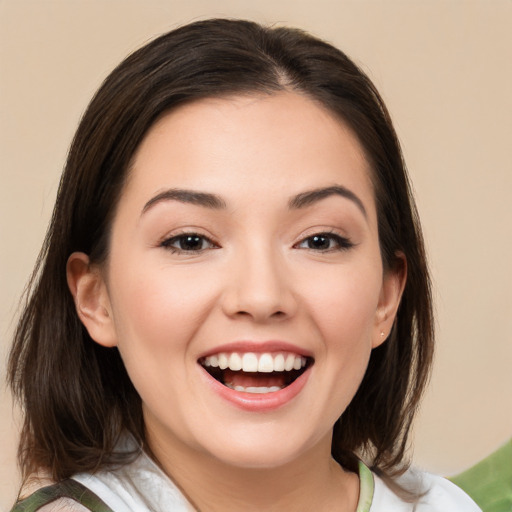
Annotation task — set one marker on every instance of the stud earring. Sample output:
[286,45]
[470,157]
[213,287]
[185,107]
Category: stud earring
[382,334]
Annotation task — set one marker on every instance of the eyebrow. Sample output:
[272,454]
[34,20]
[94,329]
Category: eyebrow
[310,197]
[214,202]
[187,196]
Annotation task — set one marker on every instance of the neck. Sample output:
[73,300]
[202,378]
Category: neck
[313,481]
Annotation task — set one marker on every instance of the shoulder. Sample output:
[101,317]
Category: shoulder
[436,494]
[64,496]
[445,495]
[139,485]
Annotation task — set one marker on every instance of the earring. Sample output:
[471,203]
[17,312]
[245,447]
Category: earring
[382,334]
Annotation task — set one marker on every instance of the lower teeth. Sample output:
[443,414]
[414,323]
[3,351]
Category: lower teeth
[255,390]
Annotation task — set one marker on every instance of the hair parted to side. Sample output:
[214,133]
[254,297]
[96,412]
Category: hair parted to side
[76,395]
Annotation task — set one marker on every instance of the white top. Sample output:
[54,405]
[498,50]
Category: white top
[441,495]
[142,486]
[137,487]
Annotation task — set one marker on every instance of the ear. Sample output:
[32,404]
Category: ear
[393,284]
[87,285]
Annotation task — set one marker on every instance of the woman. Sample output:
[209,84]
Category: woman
[213,322]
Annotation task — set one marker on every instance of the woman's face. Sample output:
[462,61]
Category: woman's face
[244,286]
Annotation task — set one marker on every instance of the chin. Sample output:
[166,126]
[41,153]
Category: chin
[254,459]
[261,451]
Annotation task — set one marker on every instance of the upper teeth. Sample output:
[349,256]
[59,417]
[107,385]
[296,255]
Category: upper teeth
[251,362]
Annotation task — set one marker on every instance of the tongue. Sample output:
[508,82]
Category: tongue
[254,379]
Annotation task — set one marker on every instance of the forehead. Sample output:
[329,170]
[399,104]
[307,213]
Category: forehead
[250,144]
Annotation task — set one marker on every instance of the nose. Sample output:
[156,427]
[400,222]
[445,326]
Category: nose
[260,288]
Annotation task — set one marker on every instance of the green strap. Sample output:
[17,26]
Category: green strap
[65,489]
[366,487]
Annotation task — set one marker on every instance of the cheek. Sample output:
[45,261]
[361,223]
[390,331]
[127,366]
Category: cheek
[344,308]
[157,312]
[345,302]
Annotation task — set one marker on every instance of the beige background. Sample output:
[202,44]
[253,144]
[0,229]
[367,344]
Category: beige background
[444,68]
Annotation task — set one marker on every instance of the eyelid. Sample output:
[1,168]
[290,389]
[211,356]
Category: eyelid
[343,242]
[169,239]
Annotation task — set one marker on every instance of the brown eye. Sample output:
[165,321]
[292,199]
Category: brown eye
[324,242]
[188,242]
[319,242]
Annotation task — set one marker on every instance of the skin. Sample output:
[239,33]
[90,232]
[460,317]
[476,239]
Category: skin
[256,277]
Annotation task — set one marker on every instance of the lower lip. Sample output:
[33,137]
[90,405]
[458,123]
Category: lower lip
[258,402]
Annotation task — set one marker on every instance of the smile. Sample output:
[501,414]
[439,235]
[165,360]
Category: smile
[256,373]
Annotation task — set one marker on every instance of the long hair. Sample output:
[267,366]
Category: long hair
[76,395]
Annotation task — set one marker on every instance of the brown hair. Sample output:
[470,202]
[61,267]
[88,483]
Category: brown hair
[76,394]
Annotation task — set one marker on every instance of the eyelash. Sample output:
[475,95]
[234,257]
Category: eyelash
[168,243]
[340,243]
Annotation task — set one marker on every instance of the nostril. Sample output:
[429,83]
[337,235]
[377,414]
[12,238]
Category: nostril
[276,315]
[259,305]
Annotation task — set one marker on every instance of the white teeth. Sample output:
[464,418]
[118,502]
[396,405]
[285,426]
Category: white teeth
[235,362]
[288,365]
[251,362]
[279,363]
[266,363]
[256,390]
[223,361]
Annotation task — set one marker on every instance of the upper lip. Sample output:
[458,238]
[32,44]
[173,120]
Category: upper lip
[257,347]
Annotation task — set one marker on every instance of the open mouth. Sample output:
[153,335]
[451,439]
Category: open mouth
[250,372]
